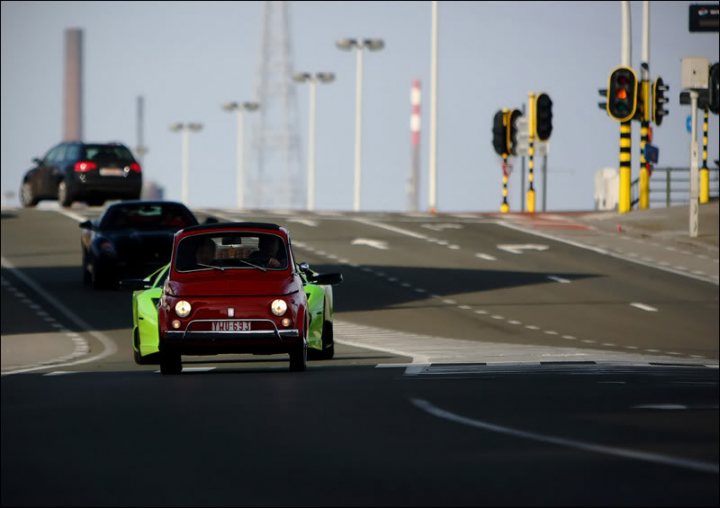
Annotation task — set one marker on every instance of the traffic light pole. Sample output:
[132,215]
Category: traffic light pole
[624,200]
[644,175]
[531,152]
[505,207]
[694,226]
[522,173]
[704,171]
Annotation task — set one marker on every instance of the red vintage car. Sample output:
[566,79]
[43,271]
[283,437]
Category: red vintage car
[233,288]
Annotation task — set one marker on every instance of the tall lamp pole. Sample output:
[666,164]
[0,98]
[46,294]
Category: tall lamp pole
[240,108]
[312,80]
[185,129]
[359,45]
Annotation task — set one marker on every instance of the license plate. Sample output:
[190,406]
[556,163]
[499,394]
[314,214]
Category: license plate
[111,172]
[230,326]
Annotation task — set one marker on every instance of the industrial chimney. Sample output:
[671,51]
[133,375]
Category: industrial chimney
[72,128]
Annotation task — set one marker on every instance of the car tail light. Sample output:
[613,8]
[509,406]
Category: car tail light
[135,167]
[84,166]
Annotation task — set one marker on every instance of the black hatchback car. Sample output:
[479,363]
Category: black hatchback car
[90,172]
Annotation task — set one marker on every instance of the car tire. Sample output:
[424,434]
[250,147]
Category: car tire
[27,198]
[86,277]
[299,354]
[96,279]
[298,359]
[170,363]
[328,342]
[65,198]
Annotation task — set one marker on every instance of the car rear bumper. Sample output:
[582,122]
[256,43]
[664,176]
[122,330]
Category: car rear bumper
[108,187]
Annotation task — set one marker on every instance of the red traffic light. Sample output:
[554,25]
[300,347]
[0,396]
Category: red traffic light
[622,94]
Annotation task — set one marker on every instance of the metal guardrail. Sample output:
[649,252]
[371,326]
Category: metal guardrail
[672,186]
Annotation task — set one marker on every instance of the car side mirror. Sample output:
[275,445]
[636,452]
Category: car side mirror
[211,220]
[327,279]
[37,160]
[87,224]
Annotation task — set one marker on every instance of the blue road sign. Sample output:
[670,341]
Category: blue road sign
[652,153]
[688,124]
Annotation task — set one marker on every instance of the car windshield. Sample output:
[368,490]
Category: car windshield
[147,217]
[245,250]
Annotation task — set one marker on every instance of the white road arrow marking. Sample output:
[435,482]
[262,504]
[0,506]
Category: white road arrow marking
[642,306]
[486,257]
[517,248]
[377,244]
[440,227]
[306,222]
[559,279]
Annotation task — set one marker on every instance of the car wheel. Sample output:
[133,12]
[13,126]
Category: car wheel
[64,197]
[328,342]
[298,355]
[170,363]
[96,279]
[86,273]
[298,359]
[27,198]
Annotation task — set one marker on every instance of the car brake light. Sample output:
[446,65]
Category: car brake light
[84,166]
[135,167]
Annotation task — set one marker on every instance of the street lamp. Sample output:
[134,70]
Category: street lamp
[312,79]
[240,179]
[359,45]
[185,128]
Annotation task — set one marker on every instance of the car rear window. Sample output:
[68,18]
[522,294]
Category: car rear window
[147,217]
[118,153]
[247,250]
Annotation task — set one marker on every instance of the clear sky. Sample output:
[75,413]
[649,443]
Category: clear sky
[188,58]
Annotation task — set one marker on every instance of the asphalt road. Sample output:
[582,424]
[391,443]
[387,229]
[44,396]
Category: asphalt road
[476,365]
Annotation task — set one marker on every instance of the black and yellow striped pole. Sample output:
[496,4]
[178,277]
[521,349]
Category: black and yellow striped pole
[530,196]
[704,171]
[505,207]
[625,159]
[644,176]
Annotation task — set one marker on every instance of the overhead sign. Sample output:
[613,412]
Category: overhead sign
[704,18]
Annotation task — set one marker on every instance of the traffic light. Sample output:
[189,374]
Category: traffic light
[500,138]
[603,94]
[512,130]
[543,116]
[659,89]
[714,88]
[622,94]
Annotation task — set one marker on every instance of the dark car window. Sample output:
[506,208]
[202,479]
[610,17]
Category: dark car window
[108,152]
[72,153]
[231,250]
[147,217]
[56,154]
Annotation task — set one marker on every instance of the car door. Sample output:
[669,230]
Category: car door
[48,171]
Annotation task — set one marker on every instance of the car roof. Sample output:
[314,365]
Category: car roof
[135,202]
[232,225]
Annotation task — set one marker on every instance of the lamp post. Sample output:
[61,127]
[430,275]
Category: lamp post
[186,128]
[312,79]
[240,172]
[359,45]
